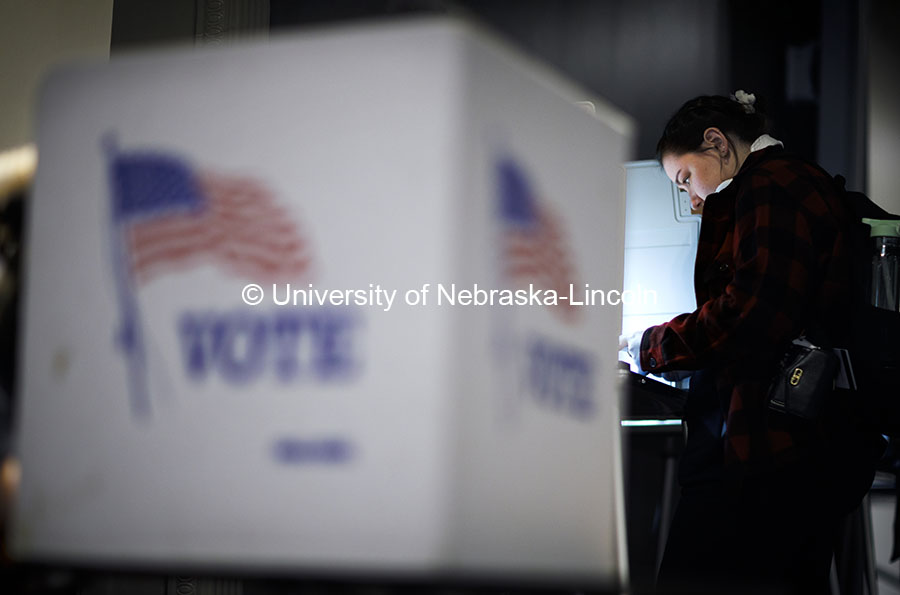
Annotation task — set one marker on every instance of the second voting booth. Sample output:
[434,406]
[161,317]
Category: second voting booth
[341,302]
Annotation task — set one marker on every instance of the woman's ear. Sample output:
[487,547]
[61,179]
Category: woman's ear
[717,139]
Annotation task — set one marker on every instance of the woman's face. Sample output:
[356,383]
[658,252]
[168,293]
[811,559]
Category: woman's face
[698,173]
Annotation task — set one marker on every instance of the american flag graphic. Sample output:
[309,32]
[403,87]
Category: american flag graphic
[533,244]
[167,214]
[175,216]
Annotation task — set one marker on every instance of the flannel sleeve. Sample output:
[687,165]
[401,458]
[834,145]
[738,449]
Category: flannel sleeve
[772,262]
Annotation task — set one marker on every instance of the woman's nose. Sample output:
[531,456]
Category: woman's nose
[696,202]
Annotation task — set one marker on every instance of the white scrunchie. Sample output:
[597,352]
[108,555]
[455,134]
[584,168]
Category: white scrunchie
[745,99]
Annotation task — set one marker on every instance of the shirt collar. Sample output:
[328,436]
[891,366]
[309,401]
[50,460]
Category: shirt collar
[760,143]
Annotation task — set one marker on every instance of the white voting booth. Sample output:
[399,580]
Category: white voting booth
[661,235]
[289,307]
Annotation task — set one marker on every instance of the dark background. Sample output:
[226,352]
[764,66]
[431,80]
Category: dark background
[805,58]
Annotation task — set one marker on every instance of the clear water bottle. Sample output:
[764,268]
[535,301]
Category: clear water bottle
[885,263]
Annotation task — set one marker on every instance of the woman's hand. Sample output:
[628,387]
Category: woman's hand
[631,344]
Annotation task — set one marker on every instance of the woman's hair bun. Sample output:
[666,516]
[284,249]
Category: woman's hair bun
[745,99]
[740,116]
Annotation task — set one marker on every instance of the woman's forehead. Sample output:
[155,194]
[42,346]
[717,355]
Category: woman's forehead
[672,163]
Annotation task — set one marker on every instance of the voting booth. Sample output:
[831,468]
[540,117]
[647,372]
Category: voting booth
[661,235]
[344,301]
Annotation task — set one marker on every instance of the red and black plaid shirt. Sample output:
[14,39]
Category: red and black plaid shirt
[771,263]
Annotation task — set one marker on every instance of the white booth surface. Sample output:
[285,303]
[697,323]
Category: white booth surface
[661,236]
[389,405]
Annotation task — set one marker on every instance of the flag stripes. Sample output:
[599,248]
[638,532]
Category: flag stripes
[175,217]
